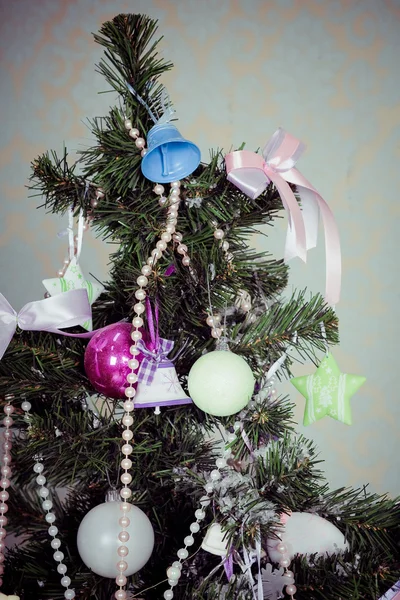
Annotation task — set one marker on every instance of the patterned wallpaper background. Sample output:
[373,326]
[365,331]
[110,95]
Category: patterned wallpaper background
[325,70]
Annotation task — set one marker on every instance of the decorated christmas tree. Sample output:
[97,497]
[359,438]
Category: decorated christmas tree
[147,452]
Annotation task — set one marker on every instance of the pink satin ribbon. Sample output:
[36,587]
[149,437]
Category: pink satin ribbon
[63,310]
[252,173]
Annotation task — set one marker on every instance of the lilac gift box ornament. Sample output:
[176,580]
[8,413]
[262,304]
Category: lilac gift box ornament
[158,383]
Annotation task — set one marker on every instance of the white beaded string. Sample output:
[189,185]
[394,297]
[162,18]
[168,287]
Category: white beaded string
[130,391]
[219,235]
[167,234]
[285,564]
[50,517]
[5,481]
[140,142]
[173,201]
[175,570]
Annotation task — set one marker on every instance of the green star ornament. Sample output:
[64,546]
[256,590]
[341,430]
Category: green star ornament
[328,392]
[74,280]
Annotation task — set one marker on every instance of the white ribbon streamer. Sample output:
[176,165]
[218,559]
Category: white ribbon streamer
[258,555]
[248,561]
[81,223]
[70,231]
[278,363]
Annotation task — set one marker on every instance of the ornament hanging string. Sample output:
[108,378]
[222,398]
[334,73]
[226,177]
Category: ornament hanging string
[70,230]
[324,338]
[152,322]
[81,222]
[168,111]
[154,351]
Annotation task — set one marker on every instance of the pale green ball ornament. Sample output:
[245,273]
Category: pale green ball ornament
[221,383]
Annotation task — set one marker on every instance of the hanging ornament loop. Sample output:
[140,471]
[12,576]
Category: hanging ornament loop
[155,351]
[152,322]
[72,251]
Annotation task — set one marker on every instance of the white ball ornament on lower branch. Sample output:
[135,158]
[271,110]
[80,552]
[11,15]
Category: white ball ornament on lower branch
[306,533]
[221,383]
[98,541]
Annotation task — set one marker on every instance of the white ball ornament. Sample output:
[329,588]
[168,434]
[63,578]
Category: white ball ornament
[306,533]
[221,383]
[98,541]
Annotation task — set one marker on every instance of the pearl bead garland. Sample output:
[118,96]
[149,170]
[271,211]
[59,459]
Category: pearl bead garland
[167,234]
[5,481]
[130,391]
[134,133]
[219,235]
[214,321]
[50,517]
[175,570]
[285,563]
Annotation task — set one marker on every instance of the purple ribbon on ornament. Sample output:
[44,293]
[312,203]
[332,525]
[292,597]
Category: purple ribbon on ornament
[228,565]
[63,310]
[170,270]
[251,173]
[155,351]
[393,593]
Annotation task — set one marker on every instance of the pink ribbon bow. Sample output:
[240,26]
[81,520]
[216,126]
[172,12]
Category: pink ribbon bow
[252,173]
[64,310]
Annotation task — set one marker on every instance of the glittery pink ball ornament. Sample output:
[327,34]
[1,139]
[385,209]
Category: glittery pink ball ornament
[106,359]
